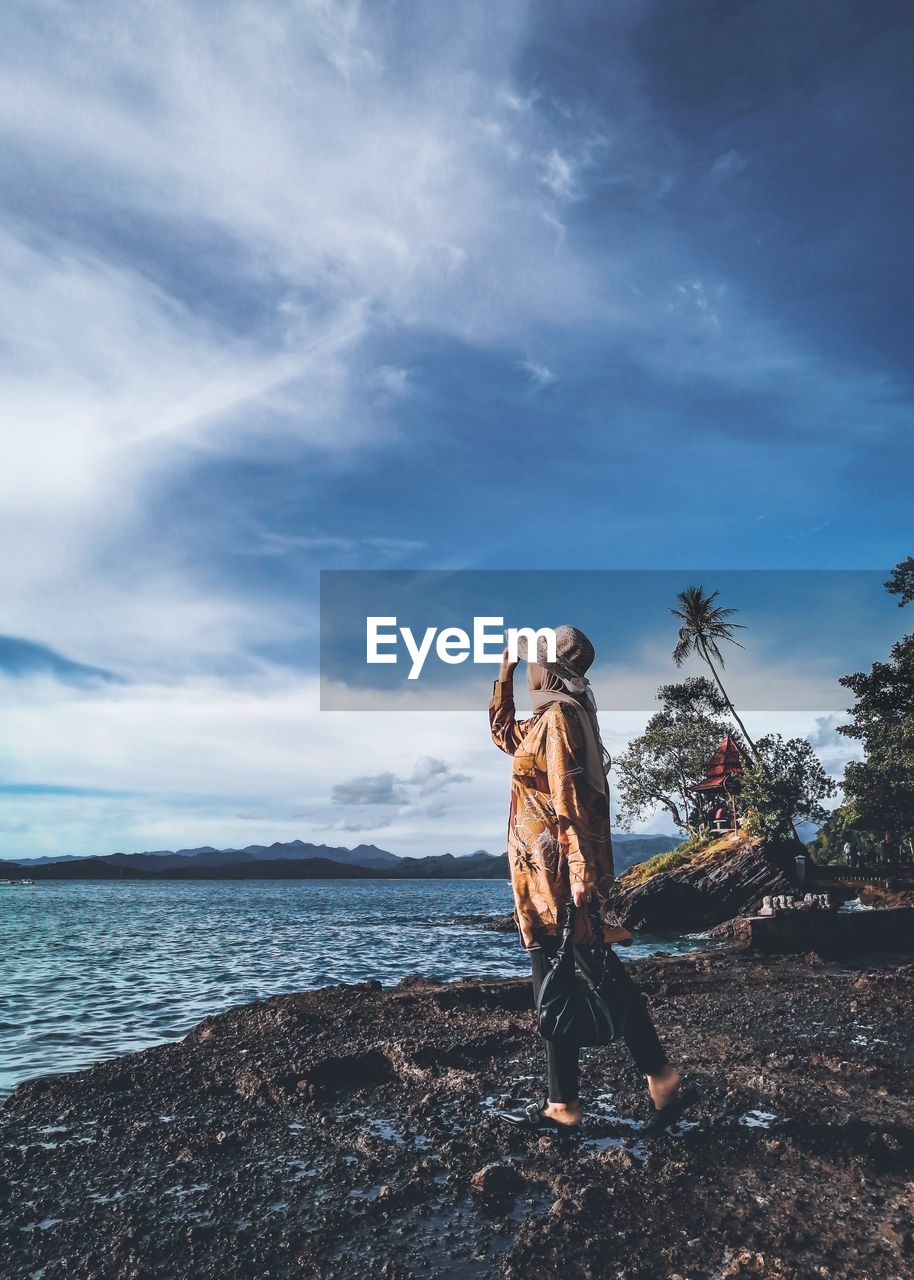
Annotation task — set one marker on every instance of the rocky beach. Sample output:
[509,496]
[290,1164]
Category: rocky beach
[350,1132]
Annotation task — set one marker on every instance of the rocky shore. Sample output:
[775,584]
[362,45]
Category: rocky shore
[726,879]
[349,1132]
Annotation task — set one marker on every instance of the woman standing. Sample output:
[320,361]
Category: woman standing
[560,850]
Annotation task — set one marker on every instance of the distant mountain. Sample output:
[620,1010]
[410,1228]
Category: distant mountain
[39,862]
[76,869]
[296,859]
[625,837]
[444,866]
[158,862]
[299,860]
[363,855]
[13,871]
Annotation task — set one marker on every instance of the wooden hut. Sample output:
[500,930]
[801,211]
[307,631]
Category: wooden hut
[716,793]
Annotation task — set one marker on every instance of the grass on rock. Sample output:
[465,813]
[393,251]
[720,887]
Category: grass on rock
[703,848]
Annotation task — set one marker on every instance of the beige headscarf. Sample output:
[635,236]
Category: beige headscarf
[574,691]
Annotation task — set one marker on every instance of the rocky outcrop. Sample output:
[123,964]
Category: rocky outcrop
[727,879]
[351,1132]
[835,934]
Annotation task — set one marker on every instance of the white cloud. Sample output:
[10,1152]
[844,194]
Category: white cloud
[370,789]
[431,775]
[331,185]
[390,550]
[559,176]
[343,194]
[194,761]
[232,762]
[540,374]
[391,379]
[729,163]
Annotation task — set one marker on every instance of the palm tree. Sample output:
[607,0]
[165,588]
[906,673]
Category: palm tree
[704,623]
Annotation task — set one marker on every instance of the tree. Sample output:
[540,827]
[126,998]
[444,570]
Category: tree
[786,783]
[664,764]
[901,582]
[703,624]
[841,827]
[881,785]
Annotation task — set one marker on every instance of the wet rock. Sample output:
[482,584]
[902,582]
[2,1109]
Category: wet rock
[350,1071]
[705,892]
[492,924]
[497,1179]
[214,1164]
[618,1158]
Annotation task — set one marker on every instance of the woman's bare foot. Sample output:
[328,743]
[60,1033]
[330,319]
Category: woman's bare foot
[664,1086]
[570,1113]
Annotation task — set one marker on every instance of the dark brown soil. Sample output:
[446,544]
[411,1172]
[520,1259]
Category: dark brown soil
[349,1133]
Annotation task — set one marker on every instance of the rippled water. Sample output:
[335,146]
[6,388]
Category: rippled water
[90,970]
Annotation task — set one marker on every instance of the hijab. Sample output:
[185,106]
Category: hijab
[574,691]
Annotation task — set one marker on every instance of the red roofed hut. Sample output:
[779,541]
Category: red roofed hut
[716,794]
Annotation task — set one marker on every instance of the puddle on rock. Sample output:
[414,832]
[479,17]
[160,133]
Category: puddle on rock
[364,1193]
[757,1119]
[637,1150]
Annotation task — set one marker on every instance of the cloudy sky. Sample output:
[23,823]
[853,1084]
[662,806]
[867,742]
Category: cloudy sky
[291,286]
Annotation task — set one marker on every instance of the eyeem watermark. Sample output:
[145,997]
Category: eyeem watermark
[410,640]
[451,644]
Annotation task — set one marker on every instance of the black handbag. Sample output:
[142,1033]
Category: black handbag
[581,1009]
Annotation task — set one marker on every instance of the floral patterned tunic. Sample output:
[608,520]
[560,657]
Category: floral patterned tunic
[558,828]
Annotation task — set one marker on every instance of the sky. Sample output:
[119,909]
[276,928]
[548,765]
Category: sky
[302,286]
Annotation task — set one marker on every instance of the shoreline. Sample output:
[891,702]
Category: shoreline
[349,1130]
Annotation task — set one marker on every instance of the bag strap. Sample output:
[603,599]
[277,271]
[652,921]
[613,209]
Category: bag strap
[565,953]
[570,916]
[571,910]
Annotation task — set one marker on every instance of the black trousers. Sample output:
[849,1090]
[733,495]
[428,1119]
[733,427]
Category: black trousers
[640,1033]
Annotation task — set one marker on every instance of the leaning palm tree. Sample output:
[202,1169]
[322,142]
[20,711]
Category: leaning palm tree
[703,624]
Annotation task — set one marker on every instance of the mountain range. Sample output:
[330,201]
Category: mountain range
[296,859]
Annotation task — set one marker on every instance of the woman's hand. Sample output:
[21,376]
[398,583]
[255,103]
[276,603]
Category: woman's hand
[507,668]
[581,893]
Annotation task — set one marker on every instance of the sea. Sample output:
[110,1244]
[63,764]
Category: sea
[90,970]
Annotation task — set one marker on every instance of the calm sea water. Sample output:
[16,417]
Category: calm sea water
[88,971]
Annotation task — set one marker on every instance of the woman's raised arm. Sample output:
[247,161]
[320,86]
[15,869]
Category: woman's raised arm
[507,730]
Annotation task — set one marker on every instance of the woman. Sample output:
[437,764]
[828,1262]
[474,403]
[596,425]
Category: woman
[560,849]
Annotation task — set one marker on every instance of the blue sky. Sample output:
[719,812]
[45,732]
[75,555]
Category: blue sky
[314,285]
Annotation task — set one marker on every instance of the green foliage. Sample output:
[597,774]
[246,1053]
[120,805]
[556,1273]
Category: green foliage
[901,582]
[663,765]
[786,784]
[751,822]
[678,857]
[695,696]
[669,861]
[882,785]
[662,862]
[840,828]
[703,624]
